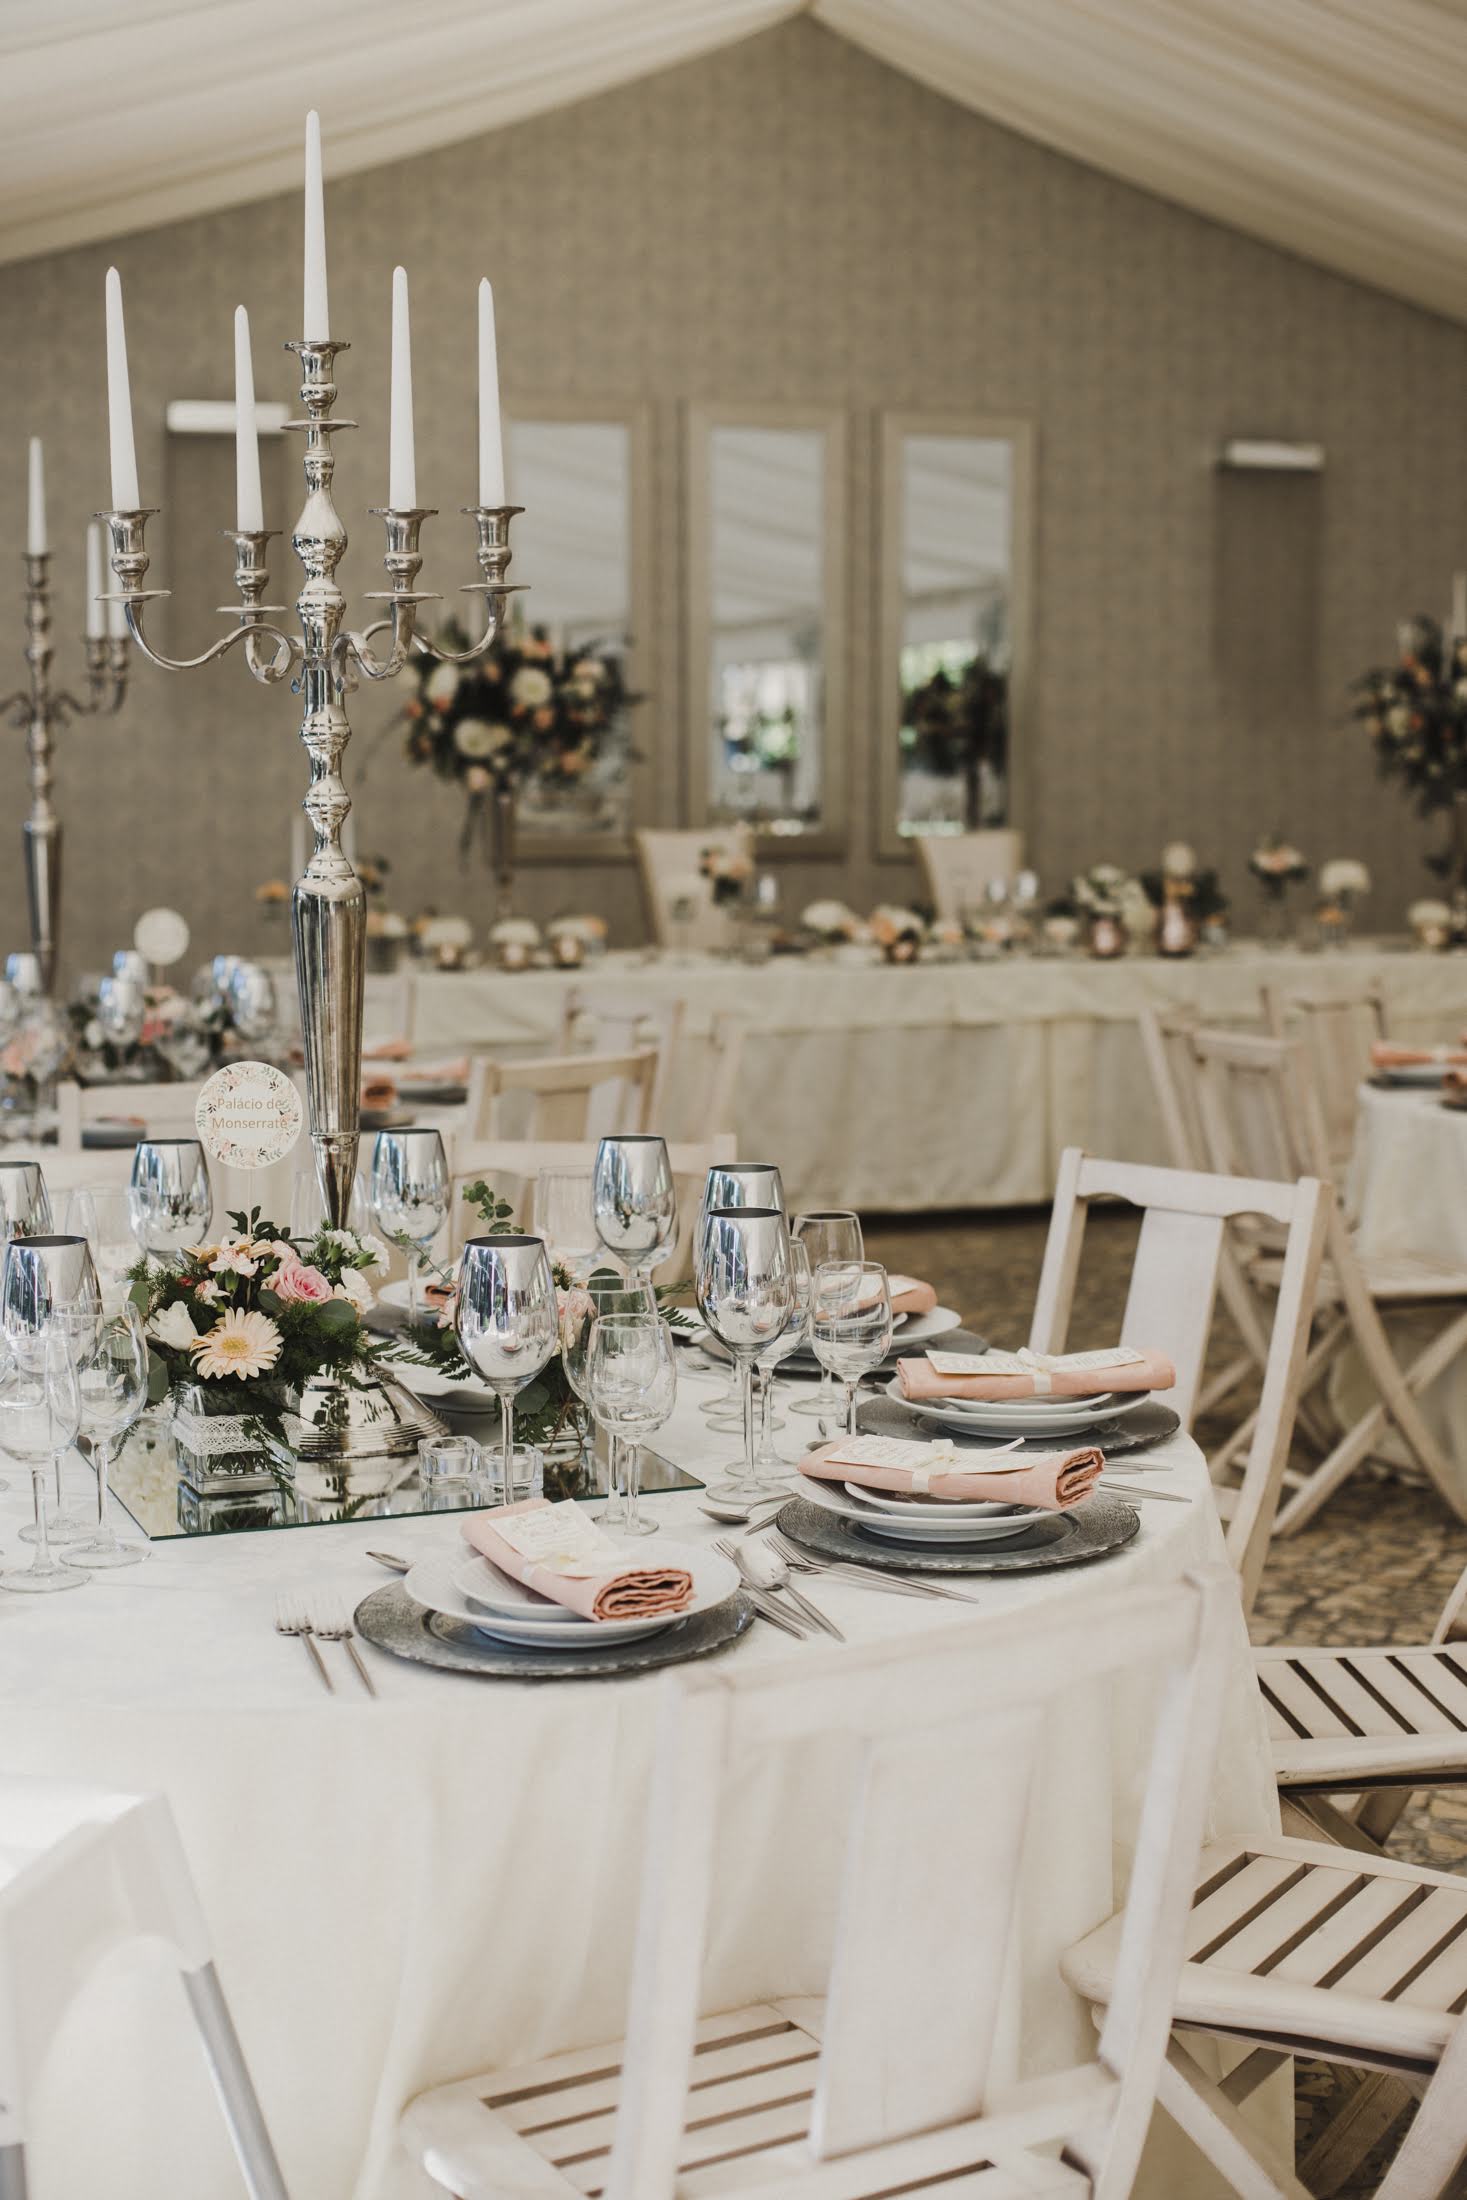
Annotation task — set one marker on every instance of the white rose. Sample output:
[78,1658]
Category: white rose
[1178,860]
[1342,876]
[531,687]
[171,1326]
[442,685]
[471,737]
[354,1286]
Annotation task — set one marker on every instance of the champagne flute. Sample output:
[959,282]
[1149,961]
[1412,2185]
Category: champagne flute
[850,1322]
[408,1197]
[506,1321]
[113,1383]
[49,1289]
[633,1382]
[745,1292]
[40,1412]
[25,1205]
[168,1194]
[827,1233]
[634,1201]
[736,1184]
[579,1312]
[772,1469]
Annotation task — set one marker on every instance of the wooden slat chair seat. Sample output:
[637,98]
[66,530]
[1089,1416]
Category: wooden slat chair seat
[1344,1719]
[1302,1948]
[894,2082]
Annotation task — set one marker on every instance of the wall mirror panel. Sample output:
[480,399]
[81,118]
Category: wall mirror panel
[766,628]
[955,527]
[580,546]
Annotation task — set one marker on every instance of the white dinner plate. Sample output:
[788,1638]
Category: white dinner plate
[1002,1520]
[931,1508]
[517,1614]
[396,1293]
[1017,1417]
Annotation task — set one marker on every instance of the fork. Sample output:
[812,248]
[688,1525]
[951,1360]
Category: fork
[290,1620]
[866,1577]
[763,1602]
[334,1626]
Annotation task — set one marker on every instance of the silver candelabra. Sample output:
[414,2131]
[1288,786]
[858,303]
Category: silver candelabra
[42,710]
[324,661]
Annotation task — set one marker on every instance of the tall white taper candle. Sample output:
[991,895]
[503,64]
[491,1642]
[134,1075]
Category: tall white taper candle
[1459,606]
[249,513]
[96,609]
[316,316]
[491,438]
[402,467]
[35,516]
[125,496]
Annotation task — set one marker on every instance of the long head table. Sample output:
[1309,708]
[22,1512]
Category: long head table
[409,1890]
[938,1084]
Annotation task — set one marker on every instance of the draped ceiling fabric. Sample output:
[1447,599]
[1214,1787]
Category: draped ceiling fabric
[1330,127]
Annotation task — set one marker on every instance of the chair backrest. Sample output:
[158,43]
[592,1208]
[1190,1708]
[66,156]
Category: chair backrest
[1259,1108]
[389,1007]
[168,1110]
[1166,1042]
[513,1165]
[958,868]
[1336,1035]
[1169,1303]
[668,862]
[566,1095]
[939,1738]
[599,1022]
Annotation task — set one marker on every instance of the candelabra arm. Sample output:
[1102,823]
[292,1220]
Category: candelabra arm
[403,560]
[129,560]
[493,553]
[17,708]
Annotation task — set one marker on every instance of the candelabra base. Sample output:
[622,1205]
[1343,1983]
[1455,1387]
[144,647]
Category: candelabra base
[361,1436]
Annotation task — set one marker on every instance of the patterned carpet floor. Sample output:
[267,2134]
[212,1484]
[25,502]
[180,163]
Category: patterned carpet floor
[1376,1566]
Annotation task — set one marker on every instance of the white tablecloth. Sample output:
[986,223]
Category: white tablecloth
[407,1891]
[934,1085]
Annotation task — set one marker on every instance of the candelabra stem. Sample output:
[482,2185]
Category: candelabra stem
[42,829]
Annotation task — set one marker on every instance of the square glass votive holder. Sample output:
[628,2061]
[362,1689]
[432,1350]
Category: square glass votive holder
[446,1460]
[529,1474]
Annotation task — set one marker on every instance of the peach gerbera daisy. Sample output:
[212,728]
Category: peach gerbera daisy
[238,1344]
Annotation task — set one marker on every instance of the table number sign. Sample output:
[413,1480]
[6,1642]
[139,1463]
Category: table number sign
[161,937]
[249,1115]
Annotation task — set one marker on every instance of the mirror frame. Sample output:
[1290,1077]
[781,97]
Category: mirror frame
[893,429]
[542,847]
[830,838]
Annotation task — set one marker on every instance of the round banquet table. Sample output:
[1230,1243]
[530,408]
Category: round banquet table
[409,1890]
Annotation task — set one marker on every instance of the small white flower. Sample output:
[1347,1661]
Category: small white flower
[171,1326]
[208,1292]
[442,685]
[232,1260]
[354,1286]
[381,1259]
[515,932]
[531,687]
[1178,860]
[1343,877]
[473,738]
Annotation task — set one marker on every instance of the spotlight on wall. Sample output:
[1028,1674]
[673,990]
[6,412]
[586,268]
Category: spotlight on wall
[1267,455]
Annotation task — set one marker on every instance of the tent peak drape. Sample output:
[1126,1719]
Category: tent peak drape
[1328,127]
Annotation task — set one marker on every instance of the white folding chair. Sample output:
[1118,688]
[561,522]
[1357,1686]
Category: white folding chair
[1169,1304]
[598,1022]
[669,866]
[1336,1035]
[167,1110]
[887,2084]
[83,1873]
[565,1096]
[958,868]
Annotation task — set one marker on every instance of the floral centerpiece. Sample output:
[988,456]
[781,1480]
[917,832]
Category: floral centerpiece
[898,932]
[1277,865]
[522,713]
[728,870]
[830,923]
[1186,897]
[1343,883]
[1415,712]
[1109,900]
[957,727]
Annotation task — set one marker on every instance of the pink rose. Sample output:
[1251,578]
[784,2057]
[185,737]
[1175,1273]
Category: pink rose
[293,1280]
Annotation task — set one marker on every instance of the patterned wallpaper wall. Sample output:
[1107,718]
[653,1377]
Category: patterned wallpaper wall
[784,221]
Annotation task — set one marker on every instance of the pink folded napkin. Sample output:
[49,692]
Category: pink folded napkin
[1050,1483]
[387,1050]
[379,1091]
[556,1551]
[994,1377]
[1385,1055]
[908,1296]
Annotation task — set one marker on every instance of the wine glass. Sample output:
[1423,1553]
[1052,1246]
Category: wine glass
[409,1196]
[183,1044]
[634,1201]
[122,1010]
[850,1322]
[49,1289]
[633,1383]
[772,1469]
[565,1217]
[25,1206]
[580,1310]
[40,1412]
[101,1214]
[827,1233]
[168,1195]
[250,993]
[745,1293]
[113,1382]
[506,1321]
[736,1184]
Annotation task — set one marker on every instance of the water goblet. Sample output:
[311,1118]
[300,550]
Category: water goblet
[580,1310]
[565,1216]
[745,1292]
[408,1197]
[633,1385]
[113,1382]
[250,994]
[25,1205]
[506,1320]
[796,1332]
[48,1289]
[40,1412]
[634,1201]
[850,1322]
[122,1010]
[827,1233]
[168,1195]
[23,971]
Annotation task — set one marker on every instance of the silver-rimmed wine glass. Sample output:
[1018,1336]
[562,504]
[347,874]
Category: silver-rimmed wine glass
[745,1292]
[23,971]
[635,1202]
[25,1204]
[408,1195]
[122,1010]
[49,1291]
[168,1195]
[827,1233]
[506,1321]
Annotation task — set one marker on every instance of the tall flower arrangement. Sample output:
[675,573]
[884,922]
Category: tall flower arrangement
[958,727]
[1415,713]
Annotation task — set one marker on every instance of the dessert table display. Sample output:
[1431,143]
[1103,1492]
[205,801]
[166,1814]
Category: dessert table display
[958,1084]
[443,1878]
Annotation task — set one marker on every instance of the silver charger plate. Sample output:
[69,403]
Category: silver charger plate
[1136,1428]
[391,1620]
[1087,1531]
